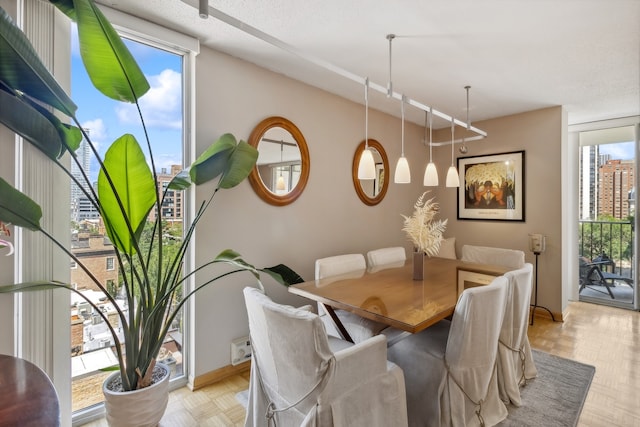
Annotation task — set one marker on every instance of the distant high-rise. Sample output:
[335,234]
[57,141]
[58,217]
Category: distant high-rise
[615,183]
[172,206]
[589,181]
[83,153]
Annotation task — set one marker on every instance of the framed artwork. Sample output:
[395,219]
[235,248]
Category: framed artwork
[492,187]
[379,181]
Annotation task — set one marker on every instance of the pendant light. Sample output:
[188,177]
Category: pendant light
[403,174]
[430,173]
[452,174]
[366,166]
[280,181]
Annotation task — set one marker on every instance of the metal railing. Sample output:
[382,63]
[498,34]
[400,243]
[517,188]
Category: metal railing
[602,240]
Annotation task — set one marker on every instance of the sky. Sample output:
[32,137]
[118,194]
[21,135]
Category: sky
[618,151]
[161,106]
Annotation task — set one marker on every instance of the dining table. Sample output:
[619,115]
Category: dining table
[28,395]
[389,294]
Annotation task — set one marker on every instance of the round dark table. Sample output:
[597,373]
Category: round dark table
[27,396]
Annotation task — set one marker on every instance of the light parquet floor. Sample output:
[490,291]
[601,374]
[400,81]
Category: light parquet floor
[606,337]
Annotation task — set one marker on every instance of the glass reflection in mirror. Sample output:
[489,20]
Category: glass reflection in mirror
[279,163]
[371,191]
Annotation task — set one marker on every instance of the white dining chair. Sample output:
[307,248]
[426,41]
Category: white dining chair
[450,367]
[395,255]
[512,258]
[358,328]
[515,360]
[302,377]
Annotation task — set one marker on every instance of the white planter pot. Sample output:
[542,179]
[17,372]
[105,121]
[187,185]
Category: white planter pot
[138,408]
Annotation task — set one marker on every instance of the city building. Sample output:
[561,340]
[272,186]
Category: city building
[615,182]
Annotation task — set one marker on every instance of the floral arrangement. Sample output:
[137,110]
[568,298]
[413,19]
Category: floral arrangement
[4,231]
[422,229]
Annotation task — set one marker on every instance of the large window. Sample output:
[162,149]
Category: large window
[106,120]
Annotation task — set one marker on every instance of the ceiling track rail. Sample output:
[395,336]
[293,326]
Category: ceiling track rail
[267,38]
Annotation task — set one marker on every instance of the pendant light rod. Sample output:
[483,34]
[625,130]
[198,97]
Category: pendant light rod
[402,124]
[267,38]
[390,37]
[366,113]
[468,122]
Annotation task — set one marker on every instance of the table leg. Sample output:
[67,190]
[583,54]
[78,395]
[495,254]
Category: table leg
[341,329]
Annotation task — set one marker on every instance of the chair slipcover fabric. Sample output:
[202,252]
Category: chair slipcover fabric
[450,367]
[359,328]
[383,256]
[296,366]
[496,256]
[515,360]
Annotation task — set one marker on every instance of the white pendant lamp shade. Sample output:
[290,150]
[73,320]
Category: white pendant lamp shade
[452,173]
[452,177]
[280,183]
[431,175]
[403,174]
[366,166]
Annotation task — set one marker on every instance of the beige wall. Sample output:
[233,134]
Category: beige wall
[329,219]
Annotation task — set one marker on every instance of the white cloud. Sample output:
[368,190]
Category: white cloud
[161,106]
[97,130]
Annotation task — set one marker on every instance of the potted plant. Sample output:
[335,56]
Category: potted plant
[424,231]
[127,192]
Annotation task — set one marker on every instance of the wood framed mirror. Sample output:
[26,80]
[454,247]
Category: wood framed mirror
[371,191]
[282,170]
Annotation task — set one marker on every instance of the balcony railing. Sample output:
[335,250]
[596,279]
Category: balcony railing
[607,239]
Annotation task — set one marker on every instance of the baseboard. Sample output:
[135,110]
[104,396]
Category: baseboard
[542,313]
[219,375]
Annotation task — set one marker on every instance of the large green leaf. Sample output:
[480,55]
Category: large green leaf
[32,286]
[181,181]
[18,209]
[21,68]
[241,162]
[214,161]
[31,124]
[135,187]
[66,7]
[110,65]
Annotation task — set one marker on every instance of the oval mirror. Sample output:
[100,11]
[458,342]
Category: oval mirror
[282,169]
[371,191]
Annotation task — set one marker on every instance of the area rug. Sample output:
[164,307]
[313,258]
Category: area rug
[555,397]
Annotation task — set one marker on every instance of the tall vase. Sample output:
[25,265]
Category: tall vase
[418,264]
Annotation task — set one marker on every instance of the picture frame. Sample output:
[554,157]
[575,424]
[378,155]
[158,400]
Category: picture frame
[379,181]
[492,187]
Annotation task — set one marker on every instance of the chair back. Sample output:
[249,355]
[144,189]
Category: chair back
[472,344]
[339,264]
[516,316]
[512,258]
[290,350]
[515,360]
[384,256]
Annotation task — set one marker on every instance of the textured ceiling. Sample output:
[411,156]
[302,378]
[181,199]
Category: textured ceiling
[517,55]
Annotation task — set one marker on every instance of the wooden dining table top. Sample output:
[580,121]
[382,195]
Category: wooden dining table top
[391,296]
[28,397]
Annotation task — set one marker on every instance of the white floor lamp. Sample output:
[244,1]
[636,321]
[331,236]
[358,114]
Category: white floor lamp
[537,243]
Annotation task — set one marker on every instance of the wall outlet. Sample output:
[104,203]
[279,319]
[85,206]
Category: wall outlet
[240,350]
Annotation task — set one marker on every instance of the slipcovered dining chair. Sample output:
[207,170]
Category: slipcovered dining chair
[302,377]
[395,255]
[512,258]
[358,328]
[450,367]
[515,360]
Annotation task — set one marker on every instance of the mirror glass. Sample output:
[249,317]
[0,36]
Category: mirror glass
[371,191]
[282,169]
